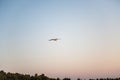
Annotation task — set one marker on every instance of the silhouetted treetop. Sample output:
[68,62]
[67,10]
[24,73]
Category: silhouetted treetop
[17,76]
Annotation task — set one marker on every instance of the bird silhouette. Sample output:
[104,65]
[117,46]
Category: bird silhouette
[55,39]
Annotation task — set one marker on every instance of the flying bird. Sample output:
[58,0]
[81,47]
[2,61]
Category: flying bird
[55,39]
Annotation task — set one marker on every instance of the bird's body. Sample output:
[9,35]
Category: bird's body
[54,39]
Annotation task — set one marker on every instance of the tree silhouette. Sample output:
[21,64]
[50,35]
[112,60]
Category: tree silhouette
[79,79]
[17,76]
[2,75]
[58,78]
[66,79]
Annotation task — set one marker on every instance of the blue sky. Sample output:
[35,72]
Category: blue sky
[89,32]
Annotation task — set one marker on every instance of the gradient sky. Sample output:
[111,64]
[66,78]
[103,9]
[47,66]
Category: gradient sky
[89,32]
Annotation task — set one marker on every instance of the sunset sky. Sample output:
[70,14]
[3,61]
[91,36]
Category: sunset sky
[89,31]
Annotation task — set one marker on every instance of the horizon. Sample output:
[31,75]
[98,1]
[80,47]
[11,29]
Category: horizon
[45,77]
[89,31]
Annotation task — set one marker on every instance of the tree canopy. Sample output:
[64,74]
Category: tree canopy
[18,76]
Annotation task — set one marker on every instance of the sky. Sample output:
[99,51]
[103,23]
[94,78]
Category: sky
[89,31]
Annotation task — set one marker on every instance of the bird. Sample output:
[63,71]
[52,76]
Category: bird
[55,39]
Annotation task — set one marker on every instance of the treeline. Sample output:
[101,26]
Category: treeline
[106,79]
[18,76]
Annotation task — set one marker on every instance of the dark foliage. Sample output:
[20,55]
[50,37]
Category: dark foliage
[66,79]
[17,76]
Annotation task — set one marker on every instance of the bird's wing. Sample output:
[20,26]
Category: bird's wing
[50,39]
